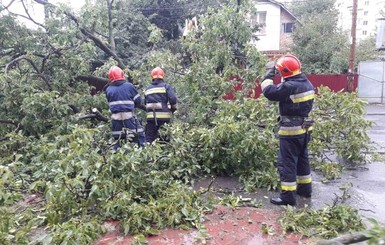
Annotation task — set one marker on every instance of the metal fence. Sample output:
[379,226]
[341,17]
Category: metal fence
[336,83]
[371,81]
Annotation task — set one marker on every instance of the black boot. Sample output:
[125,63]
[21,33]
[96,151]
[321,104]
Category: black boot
[307,195]
[304,190]
[279,201]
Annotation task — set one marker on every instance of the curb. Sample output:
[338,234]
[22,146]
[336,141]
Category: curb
[376,114]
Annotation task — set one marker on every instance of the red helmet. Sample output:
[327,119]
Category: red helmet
[115,74]
[288,66]
[157,73]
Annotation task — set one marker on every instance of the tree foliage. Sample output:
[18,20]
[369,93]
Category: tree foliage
[321,46]
[170,16]
[347,110]
[327,222]
[48,150]
[317,40]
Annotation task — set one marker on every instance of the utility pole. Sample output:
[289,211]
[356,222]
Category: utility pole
[46,12]
[352,48]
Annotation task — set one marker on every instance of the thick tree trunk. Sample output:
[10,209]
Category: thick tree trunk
[97,41]
[110,25]
[345,239]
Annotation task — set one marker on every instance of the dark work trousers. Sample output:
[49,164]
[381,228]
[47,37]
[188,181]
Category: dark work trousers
[293,167]
[128,130]
[152,130]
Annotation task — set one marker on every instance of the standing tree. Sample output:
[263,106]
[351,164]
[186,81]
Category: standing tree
[320,44]
[366,50]
[317,40]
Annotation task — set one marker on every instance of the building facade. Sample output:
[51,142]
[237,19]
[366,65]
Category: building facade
[277,24]
[369,13]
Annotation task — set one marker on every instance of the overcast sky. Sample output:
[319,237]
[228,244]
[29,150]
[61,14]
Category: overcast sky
[37,10]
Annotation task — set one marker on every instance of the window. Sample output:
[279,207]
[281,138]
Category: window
[365,23]
[365,12]
[260,20]
[366,3]
[287,27]
[364,32]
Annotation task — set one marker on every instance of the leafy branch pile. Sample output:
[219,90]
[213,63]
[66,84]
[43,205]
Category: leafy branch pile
[83,183]
[327,222]
[341,132]
[49,152]
[331,222]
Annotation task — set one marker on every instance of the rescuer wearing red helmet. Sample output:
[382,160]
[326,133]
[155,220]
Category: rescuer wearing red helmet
[160,101]
[122,100]
[295,95]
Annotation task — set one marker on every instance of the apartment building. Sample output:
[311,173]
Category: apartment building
[369,14]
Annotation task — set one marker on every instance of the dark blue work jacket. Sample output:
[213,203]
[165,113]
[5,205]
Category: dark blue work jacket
[122,97]
[295,96]
[157,98]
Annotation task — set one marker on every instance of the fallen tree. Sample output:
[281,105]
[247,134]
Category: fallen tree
[69,162]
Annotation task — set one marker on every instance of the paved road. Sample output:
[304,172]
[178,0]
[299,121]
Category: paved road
[365,186]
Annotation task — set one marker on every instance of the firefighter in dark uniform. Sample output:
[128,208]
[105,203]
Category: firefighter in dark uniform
[160,101]
[295,95]
[122,100]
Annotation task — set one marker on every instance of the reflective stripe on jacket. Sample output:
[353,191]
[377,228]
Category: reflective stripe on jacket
[157,97]
[159,115]
[122,97]
[295,96]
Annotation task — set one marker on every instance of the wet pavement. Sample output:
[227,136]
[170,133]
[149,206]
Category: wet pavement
[368,191]
[362,188]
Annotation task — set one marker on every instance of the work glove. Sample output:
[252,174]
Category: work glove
[307,123]
[142,107]
[269,65]
[172,108]
[270,70]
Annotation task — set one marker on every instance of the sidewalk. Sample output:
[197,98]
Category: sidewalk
[375,109]
[376,114]
[224,226]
